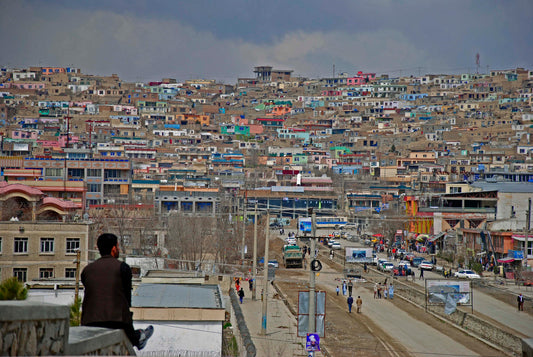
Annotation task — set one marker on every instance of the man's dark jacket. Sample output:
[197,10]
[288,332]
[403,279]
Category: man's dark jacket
[107,295]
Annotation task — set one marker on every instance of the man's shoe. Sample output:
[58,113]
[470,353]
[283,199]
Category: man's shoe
[145,335]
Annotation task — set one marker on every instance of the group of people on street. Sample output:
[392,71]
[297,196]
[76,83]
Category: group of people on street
[347,288]
[383,291]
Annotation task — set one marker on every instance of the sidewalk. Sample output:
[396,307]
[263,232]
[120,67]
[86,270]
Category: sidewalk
[281,333]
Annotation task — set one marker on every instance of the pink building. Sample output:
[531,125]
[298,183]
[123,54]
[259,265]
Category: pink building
[24,134]
[360,79]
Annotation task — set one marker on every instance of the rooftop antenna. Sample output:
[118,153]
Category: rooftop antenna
[333,70]
[477,63]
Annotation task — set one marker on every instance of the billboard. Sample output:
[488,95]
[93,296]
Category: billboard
[449,292]
[358,255]
[304,224]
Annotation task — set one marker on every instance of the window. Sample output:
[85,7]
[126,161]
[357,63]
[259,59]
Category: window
[21,274]
[75,173]
[21,245]
[53,172]
[94,172]
[72,245]
[70,272]
[93,187]
[47,245]
[111,173]
[46,273]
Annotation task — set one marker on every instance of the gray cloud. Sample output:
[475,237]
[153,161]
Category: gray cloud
[144,43]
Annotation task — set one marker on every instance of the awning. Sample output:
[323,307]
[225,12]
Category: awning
[421,237]
[437,236]
[506,260]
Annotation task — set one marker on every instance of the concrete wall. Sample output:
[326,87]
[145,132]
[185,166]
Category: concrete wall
[37,329]
[29,329]
[471,323]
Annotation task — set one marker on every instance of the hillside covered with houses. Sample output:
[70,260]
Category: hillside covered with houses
[173,166]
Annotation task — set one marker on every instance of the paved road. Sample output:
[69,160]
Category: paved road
[417,337]
[484,304]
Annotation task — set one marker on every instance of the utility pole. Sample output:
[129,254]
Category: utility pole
[265,279]
[312,299]
[528,226]
[243,228]
[254,263]
[77,288]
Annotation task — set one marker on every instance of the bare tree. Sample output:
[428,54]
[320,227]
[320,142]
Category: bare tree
[188,239]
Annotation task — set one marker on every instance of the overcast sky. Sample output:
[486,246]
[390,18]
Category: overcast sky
[147,40]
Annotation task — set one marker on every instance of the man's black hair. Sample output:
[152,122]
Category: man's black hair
[106,242]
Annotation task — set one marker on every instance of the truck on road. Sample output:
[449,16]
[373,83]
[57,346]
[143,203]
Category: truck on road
[292,256]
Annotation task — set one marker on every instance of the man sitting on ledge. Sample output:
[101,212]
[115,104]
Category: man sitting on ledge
[107,297]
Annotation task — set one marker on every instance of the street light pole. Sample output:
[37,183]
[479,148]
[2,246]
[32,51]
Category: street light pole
[528,219]
[265,279]
[312,300]
[243,227]
[254,263]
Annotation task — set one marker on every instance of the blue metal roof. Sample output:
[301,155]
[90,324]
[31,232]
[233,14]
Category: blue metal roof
[178,296]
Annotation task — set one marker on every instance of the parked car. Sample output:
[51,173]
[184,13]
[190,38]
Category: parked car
[349,225]
[291,241]
[273,263]
[415,261]
[330,242]
[408,256]
[403,269]
[426,265]
[464,273]
[404,262]
[336,245]
[386,267]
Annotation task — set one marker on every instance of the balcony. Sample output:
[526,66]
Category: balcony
[482,210]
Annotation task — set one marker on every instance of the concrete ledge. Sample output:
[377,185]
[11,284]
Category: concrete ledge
[22,310]
[101,341]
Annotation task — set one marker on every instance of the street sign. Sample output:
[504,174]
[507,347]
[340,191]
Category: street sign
[303,313]
[312,343]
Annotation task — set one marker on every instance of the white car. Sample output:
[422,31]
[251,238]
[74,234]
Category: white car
[331,242]
[426,265]
[336,245]
[386,266]
[466,274]
[291,241]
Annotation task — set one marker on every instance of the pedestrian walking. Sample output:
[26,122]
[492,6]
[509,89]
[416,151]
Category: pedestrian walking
[365,267]
[385,292]
[379,291]
[375,290]
[350,303]
[421,274]
[391,292]
[350,287]
[251,284]
[359,303]
[520,301]
[344,287]
[241,295]
[331,254]
[337,290]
